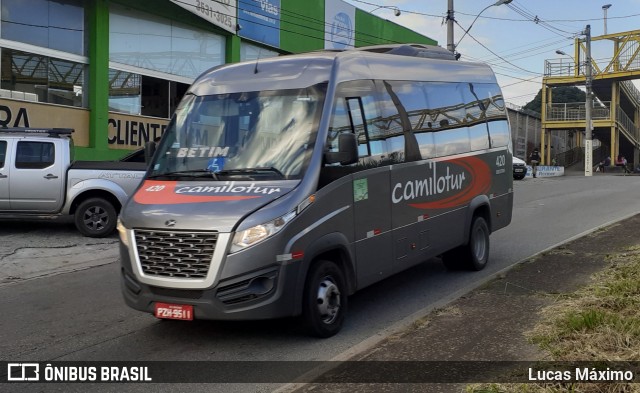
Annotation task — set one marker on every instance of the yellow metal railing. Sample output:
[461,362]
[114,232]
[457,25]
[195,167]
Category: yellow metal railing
[562,67]
[601,111]
[626,50]
[627,124]
[632,91]
[576,111]
[623,61]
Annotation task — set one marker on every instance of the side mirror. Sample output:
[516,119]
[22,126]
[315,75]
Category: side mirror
[149,151]
[347,150]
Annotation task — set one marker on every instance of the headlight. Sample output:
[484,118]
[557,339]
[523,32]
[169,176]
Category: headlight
[255,235]
[122,231]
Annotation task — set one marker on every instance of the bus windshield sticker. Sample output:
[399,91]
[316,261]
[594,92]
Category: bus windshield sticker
[216,164]
[203,151]
[360,190]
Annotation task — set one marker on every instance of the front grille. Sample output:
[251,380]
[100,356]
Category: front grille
[175,254]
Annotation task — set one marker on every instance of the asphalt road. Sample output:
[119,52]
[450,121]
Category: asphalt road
[60,293]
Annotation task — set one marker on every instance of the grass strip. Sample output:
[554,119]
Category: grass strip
[600,322]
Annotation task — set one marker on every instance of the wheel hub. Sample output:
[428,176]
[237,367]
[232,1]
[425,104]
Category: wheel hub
[95,218]
[479,244]
[328,300]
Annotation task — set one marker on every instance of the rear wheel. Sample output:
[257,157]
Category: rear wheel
[325,299]
[475,254]
[96,217]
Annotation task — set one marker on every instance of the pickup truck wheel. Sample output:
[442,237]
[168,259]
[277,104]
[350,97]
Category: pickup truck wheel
[325,299]
[96,217]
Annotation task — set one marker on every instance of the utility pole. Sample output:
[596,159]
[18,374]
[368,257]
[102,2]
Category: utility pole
[588,149]
[450,19]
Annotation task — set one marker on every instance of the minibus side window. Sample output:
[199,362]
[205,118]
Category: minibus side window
[446,104]
[500,135]
[491,96]
[356,116]
[357,109]
[452,141]
[385,147]
[448,117]
[409,149]
[476,109]
[496,116]
[414,100]
[479,137]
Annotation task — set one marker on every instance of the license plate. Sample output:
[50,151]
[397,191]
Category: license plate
[174,311]
[518,170]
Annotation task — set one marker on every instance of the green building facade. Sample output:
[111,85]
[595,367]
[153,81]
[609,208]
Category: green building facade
[115,70]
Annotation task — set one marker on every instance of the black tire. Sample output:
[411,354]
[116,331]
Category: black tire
[475,254]
[96,217]
[324,300]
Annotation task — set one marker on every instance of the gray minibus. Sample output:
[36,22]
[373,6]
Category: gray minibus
[283,185]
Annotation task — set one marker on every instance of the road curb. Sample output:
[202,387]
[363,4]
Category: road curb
[400,326]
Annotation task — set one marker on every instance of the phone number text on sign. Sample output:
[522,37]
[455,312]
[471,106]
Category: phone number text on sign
[208,11]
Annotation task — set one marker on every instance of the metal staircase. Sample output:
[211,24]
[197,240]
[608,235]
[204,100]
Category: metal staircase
[616,105]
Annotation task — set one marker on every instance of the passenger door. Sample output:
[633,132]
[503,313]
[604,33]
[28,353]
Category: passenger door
[4,176]
[355,111]
[372,206]
[36,183]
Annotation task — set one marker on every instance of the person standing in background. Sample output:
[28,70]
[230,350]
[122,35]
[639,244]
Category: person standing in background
[534,160]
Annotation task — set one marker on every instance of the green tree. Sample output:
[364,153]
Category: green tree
[561,94]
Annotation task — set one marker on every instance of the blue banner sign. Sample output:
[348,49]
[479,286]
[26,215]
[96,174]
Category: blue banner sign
[260,21]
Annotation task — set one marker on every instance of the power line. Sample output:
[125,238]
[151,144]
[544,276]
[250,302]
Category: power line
[495,54]
[495,17]
[530,12]
[520,80]
[538,21]
[523,95]
[548,20]
[401,10]
[531,52]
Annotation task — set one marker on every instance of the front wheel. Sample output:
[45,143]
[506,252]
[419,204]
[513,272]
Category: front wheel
[325,299]
[96,217]
[475,254]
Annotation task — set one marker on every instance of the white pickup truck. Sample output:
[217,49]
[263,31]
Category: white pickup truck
[39,179]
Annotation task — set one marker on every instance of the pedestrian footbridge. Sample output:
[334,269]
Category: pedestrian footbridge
[616,102]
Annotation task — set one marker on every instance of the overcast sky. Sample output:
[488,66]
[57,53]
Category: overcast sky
[520,46]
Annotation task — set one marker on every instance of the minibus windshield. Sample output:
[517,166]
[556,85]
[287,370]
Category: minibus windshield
[259,135]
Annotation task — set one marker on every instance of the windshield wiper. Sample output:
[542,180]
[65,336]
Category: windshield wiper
[191,173]
[248,171]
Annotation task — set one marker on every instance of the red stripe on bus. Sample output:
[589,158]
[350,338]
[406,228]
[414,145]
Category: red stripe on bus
[480,184]
[154,192]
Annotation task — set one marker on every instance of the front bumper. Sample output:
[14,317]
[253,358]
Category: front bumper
[250,285]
